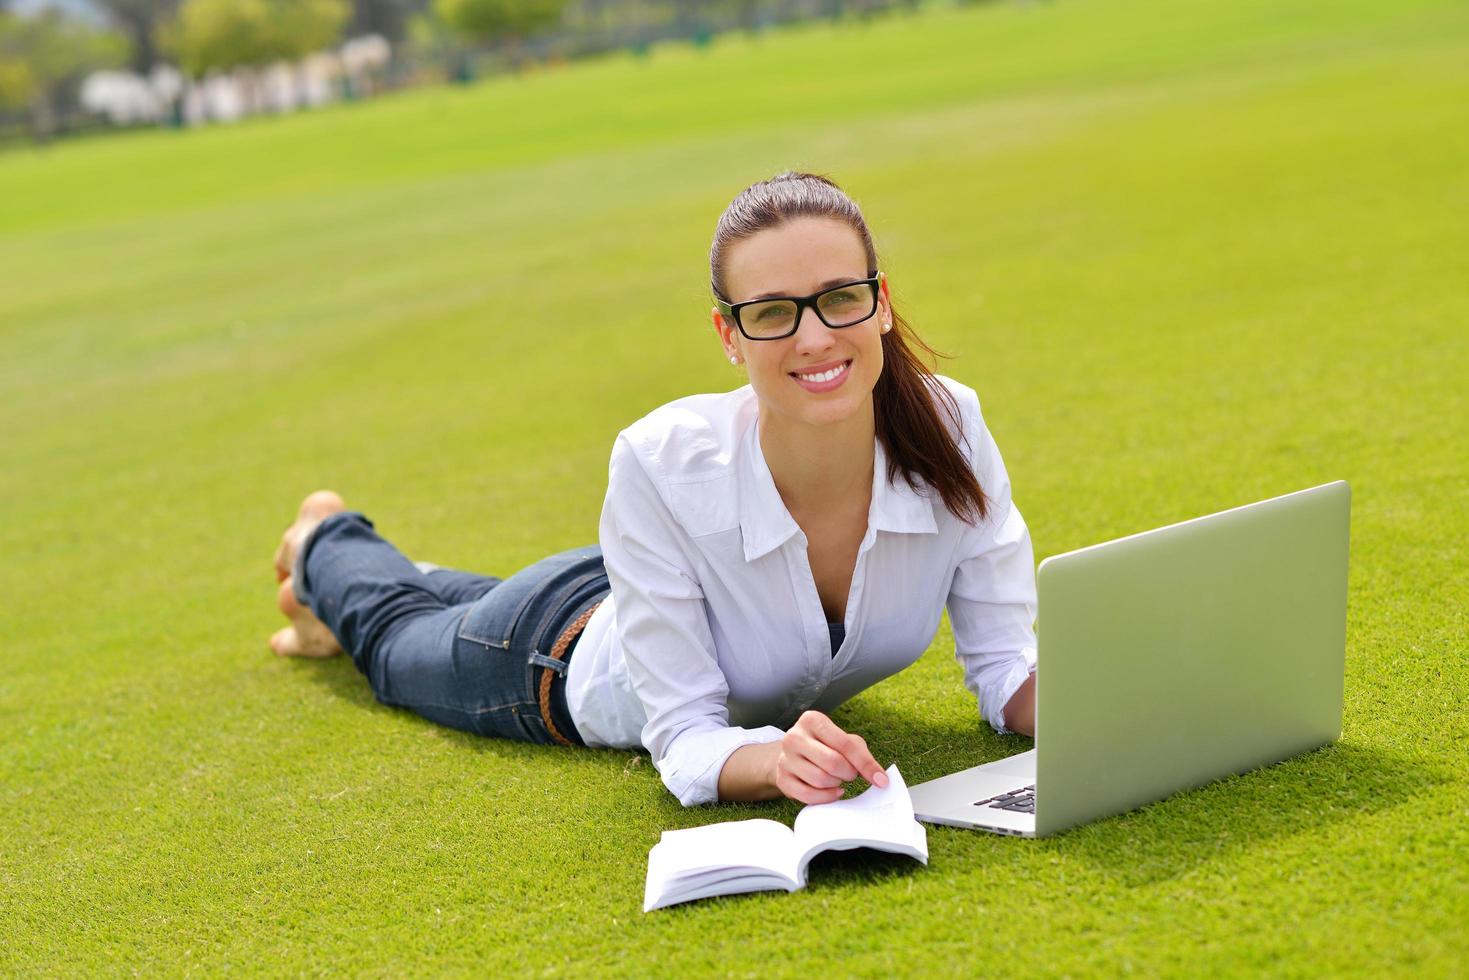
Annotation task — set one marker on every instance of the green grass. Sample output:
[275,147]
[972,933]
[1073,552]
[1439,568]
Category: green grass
[1191,254]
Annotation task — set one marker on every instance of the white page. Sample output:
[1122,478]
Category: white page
[732,844]
[882,817]
[689,861]
[758,855]
[759,882]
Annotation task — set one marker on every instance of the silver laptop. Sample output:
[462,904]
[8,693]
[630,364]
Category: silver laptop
[1169,659]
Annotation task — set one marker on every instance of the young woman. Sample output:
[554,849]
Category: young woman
[765,554]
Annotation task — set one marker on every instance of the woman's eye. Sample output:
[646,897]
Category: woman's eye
[838,298]
[773,313]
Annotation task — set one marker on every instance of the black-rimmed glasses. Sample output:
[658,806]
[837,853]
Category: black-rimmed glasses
[776,317]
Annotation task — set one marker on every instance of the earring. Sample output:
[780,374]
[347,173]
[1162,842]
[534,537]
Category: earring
[886,327]
[733,359]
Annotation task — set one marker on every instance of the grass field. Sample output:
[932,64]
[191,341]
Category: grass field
[1190,254]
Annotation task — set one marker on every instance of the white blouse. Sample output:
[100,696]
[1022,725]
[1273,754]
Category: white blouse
[714,635]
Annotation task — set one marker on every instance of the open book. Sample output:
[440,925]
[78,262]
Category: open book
[756,855]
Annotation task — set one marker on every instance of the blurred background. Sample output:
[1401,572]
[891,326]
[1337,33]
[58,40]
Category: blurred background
[70,66]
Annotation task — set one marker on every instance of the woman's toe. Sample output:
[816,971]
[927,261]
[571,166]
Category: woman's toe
[286,642]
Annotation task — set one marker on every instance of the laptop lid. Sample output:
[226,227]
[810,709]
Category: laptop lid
[1180,655]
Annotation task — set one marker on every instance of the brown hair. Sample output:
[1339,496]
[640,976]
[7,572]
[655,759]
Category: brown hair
[907,397]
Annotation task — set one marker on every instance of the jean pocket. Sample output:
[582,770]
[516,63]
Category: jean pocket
[519,722]
[494,619]
[562,606]
[532,593]
[491,621]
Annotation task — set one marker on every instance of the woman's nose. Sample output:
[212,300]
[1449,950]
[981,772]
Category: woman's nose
[811,333]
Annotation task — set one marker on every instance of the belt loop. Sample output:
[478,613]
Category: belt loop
[558,652]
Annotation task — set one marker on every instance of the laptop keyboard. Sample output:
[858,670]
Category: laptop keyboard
[1018,800]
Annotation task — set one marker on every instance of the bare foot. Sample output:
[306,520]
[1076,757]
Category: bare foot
[307,636]
[316,508]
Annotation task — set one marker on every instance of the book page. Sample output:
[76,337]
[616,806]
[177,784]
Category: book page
[756,855]
[881,818]
[712,860]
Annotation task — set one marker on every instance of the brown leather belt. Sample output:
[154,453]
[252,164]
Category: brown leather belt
[558,651]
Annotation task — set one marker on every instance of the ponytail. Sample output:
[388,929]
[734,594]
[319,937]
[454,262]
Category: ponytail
[907,402]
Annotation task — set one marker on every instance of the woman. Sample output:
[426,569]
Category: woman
[769,552]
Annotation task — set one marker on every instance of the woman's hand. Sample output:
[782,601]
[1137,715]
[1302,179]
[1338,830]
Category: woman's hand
[816,758]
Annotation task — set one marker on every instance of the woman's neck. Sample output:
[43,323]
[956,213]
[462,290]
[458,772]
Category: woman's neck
[814,467]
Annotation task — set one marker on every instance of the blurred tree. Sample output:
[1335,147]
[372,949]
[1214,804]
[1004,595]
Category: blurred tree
[303,26]
[141,20]
[17,80]
[497,20]
[43,58]
[390,18]
[219,34]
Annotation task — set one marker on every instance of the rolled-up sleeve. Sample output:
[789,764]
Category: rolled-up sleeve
[663,628]
[992,600]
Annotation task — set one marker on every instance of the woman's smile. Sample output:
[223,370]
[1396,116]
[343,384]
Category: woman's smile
[823,377]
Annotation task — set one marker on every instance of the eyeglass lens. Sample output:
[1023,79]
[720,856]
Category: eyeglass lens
[839,307]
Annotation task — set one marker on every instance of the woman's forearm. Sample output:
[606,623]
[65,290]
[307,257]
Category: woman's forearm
[749,773]
[1020,709]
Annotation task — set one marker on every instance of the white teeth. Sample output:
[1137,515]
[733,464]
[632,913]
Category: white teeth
[824,375]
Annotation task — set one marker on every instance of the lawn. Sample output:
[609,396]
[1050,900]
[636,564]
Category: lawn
[1190,254]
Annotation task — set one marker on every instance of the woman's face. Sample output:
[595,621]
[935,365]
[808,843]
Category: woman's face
[799,258]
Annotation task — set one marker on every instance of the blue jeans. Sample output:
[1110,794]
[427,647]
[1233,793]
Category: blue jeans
[463,650]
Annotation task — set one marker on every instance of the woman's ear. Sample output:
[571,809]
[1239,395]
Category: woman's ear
[726,335]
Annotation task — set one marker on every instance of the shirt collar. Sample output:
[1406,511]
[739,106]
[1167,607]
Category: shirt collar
[766,524]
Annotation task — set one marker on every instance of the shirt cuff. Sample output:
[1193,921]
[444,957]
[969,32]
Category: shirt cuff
[1005,690]
[692,765]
